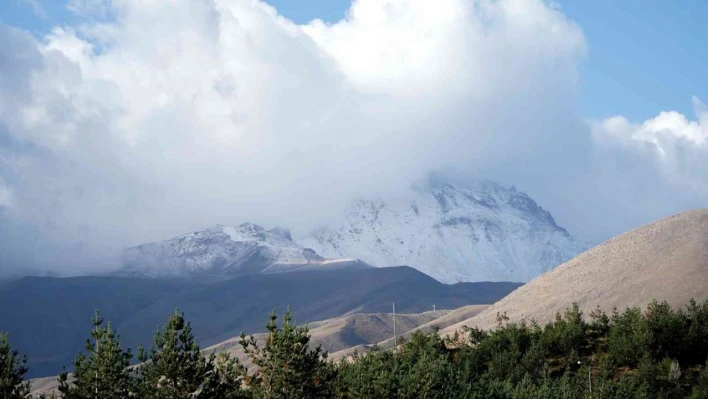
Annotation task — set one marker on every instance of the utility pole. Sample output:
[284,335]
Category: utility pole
[395,341]
[96,356]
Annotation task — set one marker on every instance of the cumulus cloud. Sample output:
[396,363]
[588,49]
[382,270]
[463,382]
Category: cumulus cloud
[679,146]
[152,117]
[642,171]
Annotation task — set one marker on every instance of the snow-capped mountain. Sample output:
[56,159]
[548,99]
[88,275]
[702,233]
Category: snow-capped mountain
[481,233]
[226,250]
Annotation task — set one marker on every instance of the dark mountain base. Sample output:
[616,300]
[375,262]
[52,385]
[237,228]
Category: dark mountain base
[48,318]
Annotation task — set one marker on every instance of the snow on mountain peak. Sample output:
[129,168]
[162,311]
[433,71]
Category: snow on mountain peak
[482,232]
[250,232]
[220,250]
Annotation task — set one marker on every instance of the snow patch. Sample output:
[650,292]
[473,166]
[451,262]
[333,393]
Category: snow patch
[483,232]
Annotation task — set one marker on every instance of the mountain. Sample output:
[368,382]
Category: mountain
[482,232]
[340,336]
[49,318]
[226,251]
[665,260]
[345,332]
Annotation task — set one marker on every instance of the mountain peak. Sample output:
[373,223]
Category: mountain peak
[481,231]
[228,251]
[281,232]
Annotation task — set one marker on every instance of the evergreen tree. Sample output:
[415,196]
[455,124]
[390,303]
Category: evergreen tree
[628,337]
[287,368]
[652,355]
[104,372]
[174,368]
[228,383]
[696,340]
[700,391]
[12,371]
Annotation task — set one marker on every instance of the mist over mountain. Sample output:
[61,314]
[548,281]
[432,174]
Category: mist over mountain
[226,251]
[479,232]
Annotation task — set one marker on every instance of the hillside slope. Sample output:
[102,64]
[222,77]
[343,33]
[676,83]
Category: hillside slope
[49,318]
[665,260]
[336,334]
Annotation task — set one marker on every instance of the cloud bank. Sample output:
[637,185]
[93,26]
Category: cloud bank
[153,118]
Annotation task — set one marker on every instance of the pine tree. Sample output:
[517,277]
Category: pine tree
[228,383]
[287,368]
[12,371]
[701,388]
[104,372]
[175,368]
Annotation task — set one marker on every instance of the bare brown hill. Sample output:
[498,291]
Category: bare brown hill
[342,333]
[450,318]
[665,260]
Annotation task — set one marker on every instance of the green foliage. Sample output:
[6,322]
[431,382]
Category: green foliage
[666,330]
[628,337]
[696,338]
[229,379]
[286,366]
[175,368]
[102,372]
[599,323]
[420,368]
[627,355]
[12,371]
[700,391]
[567,335]
[658,354]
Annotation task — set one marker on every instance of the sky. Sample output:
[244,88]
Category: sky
[126,121]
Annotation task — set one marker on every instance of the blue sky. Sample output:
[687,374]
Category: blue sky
[644,57]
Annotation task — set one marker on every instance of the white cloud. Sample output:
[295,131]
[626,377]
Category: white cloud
[172,116]
[676,145]
[90,8]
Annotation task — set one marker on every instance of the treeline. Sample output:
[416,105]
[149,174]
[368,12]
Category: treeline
[658,353]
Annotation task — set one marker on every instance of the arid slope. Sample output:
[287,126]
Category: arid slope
[665,260]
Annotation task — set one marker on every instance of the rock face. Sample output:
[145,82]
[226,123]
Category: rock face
[665,260]
[225,251]
[480,233]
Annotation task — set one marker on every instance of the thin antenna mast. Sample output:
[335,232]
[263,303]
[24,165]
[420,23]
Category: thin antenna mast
[395,342]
